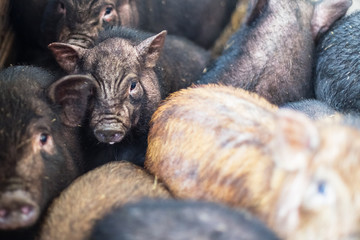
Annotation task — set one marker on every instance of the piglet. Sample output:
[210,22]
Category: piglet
[93,195]
[230,146]
[40,150]
[272,53]
[130,73]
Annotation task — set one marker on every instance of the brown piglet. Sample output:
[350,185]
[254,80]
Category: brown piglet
[230,146]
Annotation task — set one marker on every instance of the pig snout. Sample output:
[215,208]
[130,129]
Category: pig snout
[80,40]
[110,132]
[109,135]
[17,210]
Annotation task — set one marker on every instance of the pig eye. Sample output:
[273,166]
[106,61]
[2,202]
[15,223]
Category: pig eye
[321,187]
[132,86]
[43,138]
[319,193]
[108,10]
[43,142]
[108,13]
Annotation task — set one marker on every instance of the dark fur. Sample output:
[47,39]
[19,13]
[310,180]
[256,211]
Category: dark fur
[26,19]
[26,112]
[201,21]
[338,65]
[313,108]
[316,109]
[179,220]
[270,56]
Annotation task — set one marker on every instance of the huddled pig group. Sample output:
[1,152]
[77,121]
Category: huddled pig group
[118,121]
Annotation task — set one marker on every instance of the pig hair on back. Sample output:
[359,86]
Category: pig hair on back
[134,35]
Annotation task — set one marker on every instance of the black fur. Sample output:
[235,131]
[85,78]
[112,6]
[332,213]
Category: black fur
[179,220]
[337,71]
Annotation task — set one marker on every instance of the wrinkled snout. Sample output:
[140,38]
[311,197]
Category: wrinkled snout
[17,210]
[79,39]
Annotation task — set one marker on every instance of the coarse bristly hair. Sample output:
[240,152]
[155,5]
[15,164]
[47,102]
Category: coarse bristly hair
[338,65]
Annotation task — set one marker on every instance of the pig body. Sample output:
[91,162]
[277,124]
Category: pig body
[337,66]
[89,198]
[79,22]
[230,146]
[39,154]
[179,220]
[130,72]
[273,57]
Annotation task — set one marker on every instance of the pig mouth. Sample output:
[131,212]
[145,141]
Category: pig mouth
[17,210]
[110,133]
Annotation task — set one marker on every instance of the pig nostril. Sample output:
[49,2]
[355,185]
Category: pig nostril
[27,210]
[17,210]
[116,136]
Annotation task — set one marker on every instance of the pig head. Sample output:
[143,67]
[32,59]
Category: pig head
[79,22]
[126,87]
[319,192]
[40,152]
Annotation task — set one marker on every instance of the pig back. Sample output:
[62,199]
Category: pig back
[337,65]
[180,220]
[226,126]
[90,197]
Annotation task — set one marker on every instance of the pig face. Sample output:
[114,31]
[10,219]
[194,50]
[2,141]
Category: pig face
[123,78]
[37,152]
[80,21]
[319,198]
[24,155]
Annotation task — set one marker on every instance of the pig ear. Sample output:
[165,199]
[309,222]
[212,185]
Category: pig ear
[296,138]
[326,12]
[255,8]
[66,55]
[151,48]
[72,93]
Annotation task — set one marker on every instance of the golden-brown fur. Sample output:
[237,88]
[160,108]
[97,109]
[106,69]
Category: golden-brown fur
[227,145]
[73,214]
